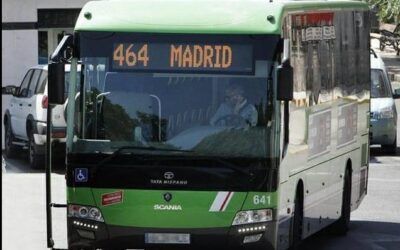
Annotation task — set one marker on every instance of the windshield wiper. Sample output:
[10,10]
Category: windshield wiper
[145,148]
[224,163]
[232,166]
[149,148]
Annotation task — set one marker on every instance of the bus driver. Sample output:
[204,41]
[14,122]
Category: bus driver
[236,110]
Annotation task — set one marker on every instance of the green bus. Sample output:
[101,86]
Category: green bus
[213,124]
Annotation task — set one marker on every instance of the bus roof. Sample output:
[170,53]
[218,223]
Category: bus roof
[196,16]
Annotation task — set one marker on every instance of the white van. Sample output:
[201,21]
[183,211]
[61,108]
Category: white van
[383,108]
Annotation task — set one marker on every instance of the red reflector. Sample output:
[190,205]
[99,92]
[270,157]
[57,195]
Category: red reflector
[45,102]
[111,198]
[58,134]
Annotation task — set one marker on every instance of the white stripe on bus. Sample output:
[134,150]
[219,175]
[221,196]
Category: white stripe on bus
[218,201]
[226,202]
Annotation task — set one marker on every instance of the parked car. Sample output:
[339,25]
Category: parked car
[25,117]
[383,108]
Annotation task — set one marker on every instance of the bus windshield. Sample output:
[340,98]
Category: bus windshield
[201,110]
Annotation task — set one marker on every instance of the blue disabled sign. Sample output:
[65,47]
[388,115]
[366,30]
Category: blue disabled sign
[81,175]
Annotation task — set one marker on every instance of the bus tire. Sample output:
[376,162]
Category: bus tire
[296,229]
[341,226]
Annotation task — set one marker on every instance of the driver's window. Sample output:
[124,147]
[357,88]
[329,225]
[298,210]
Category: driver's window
[23,90]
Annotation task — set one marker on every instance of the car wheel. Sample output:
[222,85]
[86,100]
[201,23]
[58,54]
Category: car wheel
[341,226]
[10,149]
[391,149]
[35,160]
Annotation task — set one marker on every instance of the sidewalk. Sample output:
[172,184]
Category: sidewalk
[24,211]
[392,61]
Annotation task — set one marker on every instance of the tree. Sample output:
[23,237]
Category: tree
[389,10]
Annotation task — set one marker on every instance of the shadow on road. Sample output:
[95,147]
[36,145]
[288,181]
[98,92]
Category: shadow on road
[376,151]
[362,235]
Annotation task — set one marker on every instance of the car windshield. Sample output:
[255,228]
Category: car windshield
[380,87]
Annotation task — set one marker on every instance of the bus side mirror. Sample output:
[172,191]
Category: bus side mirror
[56,70]
[56,83]
[285,81]
[63,50]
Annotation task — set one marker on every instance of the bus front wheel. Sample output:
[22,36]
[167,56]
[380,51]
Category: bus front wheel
[341,226]
[297,222]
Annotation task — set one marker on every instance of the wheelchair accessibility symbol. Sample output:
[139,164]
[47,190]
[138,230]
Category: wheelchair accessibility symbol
[81,175]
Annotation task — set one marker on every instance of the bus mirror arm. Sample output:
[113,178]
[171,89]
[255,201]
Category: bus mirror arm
[285,81]
[59,54]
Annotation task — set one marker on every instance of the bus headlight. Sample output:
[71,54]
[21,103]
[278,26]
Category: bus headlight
[85,212]
[95,214]
[252,216]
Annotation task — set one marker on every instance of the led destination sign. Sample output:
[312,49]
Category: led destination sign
[179,57]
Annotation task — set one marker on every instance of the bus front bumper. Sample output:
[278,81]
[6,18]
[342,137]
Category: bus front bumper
[85,233]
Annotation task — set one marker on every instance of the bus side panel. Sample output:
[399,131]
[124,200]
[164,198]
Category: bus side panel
[328,118]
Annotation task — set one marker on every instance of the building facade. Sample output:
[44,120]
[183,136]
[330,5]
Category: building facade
[31,30]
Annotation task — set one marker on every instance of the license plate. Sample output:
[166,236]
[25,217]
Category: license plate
[167,238]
